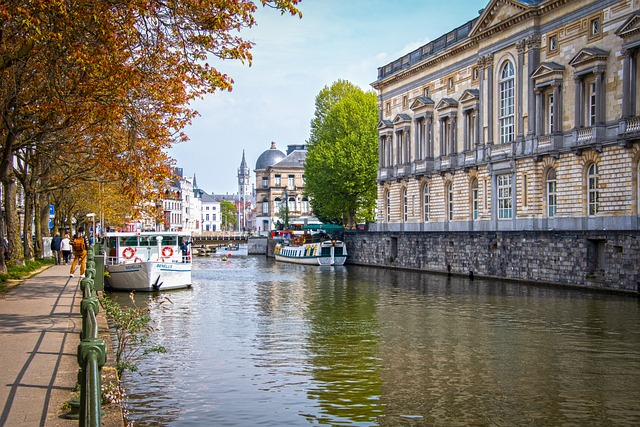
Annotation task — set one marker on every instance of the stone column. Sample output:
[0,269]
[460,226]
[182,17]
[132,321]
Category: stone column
[453,126]
[465,130]
[479,118]
[600,96]
[533,61]
[490,123]
[557,107]
[626,82]
[521,76]
[538,112]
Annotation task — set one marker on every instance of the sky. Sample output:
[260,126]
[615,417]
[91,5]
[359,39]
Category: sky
[293,60]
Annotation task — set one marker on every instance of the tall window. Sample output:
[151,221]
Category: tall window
[405,205]
[292,204]
[593,190]
[276,205]
[450,201]
[474,199]
[305,205]
[551,193]
[265,206]
[426,202]
[505,193]
[265,182]
[592,103]
[507,102]
[387,203]
[291,182]
[399,148]
[277,181]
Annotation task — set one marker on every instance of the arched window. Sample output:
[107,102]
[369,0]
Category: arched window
[551,193]
[474,199]
[405,205]
[305,205]
[450,201]
[593,190]
[276,205]
[426,202]
[292,204]
[507,103]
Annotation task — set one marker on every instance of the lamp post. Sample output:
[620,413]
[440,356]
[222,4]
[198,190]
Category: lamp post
[93,221]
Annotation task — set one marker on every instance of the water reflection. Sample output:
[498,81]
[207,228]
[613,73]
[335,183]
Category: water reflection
[259,343]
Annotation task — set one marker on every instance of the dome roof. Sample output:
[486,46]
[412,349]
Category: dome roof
[269,157]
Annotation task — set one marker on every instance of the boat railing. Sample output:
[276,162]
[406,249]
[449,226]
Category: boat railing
[146,254]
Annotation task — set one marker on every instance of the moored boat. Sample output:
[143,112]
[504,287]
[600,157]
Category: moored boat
[317,246]
[147,261]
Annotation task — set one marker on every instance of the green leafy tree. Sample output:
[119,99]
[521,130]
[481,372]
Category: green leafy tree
[342,163]
[228,212]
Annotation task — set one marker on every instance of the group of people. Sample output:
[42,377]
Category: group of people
[63,246]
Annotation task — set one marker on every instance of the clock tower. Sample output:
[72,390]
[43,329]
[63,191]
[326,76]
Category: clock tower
[244,189]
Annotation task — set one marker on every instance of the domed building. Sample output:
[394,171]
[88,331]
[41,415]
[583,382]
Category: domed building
[280,179]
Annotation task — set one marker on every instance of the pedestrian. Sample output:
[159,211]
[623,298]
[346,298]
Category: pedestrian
[65,248]
[184,247]
[79,245]
[55,247]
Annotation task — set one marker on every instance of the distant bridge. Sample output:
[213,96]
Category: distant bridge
[219,238]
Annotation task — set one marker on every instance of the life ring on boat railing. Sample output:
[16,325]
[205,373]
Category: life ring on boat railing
[128,253]
[137,259]
[167,251]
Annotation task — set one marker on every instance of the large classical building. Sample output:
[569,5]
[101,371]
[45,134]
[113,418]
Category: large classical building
[525,118]
[279,184]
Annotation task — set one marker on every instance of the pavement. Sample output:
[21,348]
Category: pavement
[40,325]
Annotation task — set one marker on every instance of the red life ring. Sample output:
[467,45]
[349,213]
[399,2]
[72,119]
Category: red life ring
[167,251]
[128,253]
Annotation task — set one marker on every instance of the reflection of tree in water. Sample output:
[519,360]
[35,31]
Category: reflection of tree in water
[343,346]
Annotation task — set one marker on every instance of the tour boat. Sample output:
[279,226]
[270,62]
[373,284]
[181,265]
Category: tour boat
[317,248]
[147,261]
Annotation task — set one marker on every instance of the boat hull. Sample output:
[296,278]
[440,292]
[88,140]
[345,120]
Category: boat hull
[148,276]
[312,254]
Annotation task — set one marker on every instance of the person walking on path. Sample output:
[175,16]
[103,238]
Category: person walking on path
[80,246]
[65,248]
[55,247]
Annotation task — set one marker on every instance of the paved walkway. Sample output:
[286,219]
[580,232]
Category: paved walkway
[40,326]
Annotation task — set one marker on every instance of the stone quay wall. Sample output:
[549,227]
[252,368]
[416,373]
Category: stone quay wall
[603,260]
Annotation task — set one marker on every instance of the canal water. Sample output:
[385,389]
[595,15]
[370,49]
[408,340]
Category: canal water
[259,343]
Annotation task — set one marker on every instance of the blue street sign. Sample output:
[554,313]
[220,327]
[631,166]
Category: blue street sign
[52,211]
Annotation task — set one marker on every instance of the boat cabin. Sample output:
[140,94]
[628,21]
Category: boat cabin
[130,247]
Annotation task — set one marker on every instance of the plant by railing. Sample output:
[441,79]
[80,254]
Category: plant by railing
[133,329]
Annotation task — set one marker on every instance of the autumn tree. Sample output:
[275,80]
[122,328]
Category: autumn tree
[342,162]
[103,89]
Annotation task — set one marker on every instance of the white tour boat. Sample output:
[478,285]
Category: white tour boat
[147,261]
[313,248]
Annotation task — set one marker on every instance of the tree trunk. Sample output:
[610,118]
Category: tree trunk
[12,220]
[42,223]
[27,226]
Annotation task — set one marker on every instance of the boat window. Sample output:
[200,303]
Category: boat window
[169,240]
[148,241]
[128,241]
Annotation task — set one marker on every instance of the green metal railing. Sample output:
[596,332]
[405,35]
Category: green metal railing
[91,350]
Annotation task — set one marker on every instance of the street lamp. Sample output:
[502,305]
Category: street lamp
[93,220]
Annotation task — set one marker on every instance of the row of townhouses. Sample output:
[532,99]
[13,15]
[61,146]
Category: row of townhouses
[524,118]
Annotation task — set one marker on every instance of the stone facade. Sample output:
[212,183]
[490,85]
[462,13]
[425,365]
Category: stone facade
[525,118]
[604,260]
[278,184]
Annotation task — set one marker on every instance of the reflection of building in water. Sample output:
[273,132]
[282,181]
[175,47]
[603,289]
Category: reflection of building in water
[343,345]
[525,118]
